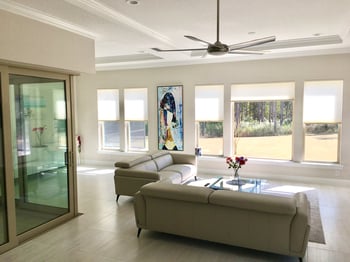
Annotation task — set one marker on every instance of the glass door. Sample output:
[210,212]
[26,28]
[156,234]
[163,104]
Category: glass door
[39,149]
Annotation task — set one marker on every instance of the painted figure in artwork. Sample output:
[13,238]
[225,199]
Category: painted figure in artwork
[168,121]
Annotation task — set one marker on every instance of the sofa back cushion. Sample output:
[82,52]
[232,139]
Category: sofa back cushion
[149,165]
[158,153]
[163,161]
[133,162]
[176,192]
[258,202]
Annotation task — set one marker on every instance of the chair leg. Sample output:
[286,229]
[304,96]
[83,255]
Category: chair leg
[139,232]
[195,178]
[117,197]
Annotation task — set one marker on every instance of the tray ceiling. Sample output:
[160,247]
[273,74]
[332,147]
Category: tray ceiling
[124,34]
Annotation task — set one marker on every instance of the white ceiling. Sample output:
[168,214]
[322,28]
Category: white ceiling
[124,34]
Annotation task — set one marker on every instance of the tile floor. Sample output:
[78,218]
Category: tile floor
[107,232]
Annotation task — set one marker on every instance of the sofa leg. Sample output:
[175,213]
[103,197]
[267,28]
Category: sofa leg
[300,259]
[117,197]
[139,232]
[195,178]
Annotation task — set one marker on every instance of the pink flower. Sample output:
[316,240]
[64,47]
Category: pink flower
[239,161]
[39,129]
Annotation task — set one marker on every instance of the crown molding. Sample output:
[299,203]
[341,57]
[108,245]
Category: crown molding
[99,9]
[300,42]
[37,15]
[214,60]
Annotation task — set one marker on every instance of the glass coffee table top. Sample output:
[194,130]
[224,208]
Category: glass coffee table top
[251,185]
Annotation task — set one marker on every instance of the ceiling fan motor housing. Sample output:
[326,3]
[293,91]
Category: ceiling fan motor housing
[218,49]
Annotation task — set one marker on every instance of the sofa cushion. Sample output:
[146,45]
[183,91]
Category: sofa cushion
[173,176]
[132,162]
[176,192]
[186,171]
[163,161]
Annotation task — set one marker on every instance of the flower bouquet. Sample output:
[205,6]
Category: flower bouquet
[39,131]
[236,164]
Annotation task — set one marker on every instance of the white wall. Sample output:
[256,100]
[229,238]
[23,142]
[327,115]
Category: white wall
[25,41]
[297,70]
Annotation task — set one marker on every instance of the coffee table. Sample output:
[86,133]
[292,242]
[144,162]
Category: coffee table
[251,185]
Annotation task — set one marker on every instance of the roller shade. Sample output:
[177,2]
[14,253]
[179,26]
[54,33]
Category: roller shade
[323,101]
[262,92]
[135,104]
[209,103]
[108,104]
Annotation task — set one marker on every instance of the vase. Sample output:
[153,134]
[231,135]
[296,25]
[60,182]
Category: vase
[236,181]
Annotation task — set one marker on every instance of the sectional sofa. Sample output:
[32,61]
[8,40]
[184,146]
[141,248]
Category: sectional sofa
[165,166]
[257,221]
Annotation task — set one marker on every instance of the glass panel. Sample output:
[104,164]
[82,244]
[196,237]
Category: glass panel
[321,142]
[110,134]
[138,135]
[210,138]
[263,129]
[39,146]
[3,211]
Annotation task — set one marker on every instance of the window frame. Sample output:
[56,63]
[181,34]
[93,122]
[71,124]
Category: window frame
[262,92]
[101,122]
[338,112]
[211,92]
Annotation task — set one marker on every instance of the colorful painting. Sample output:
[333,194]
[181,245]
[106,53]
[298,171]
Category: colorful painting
[170,118]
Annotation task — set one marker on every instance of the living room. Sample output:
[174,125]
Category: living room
[296,70]
[327,176]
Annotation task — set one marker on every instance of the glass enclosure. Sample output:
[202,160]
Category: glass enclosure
[39,150]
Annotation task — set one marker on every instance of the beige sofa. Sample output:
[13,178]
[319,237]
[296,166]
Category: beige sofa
[167,167]
[258,221]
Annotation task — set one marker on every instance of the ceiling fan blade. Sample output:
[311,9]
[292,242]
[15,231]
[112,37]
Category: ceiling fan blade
[200,53]
[246,52]
[197,39]
[177,50]
[255,42]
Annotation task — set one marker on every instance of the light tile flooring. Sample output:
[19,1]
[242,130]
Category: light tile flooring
[107,232]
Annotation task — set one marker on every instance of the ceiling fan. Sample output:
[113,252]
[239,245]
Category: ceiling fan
[219,48]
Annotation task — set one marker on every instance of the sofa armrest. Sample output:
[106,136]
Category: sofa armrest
[140,210]
[137,173]
[184,159]
[300,227]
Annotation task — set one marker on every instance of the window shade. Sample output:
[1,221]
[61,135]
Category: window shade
[323,101]
[262,92]
[135,104]
[108,104]
[209,103]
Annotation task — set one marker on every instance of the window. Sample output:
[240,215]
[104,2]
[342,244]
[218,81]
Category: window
[108,119]
[322,120]
[262,120]
[136,116]
[209,117]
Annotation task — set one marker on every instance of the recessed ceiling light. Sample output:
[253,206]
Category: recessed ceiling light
[317,34]
[251,33]
[133,2]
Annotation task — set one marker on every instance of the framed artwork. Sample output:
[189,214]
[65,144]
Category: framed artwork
[170,118]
